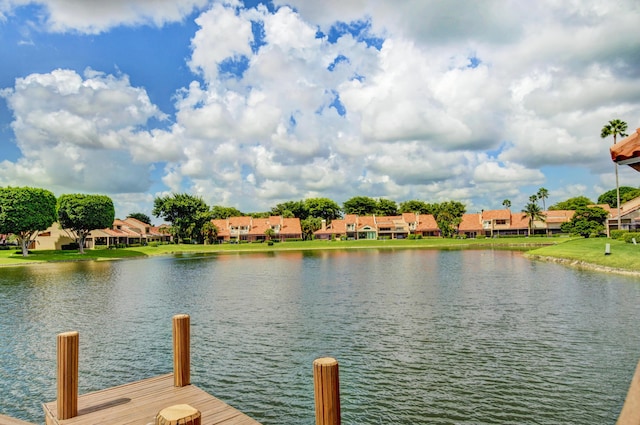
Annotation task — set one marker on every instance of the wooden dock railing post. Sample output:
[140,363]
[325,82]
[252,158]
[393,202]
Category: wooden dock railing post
[68,351]
[326,385]
[181,350]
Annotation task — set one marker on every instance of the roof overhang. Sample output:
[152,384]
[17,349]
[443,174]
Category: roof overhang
[627,151]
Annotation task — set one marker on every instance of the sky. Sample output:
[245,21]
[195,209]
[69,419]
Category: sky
[250,104]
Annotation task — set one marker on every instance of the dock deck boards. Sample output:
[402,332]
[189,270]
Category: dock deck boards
[139,402]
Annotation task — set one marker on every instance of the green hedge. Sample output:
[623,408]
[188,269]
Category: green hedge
[618,234]
[630,236]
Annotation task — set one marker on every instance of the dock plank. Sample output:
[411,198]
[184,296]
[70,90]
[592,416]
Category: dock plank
[138,403]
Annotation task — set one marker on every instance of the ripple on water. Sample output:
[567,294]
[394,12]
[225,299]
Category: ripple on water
[422,337]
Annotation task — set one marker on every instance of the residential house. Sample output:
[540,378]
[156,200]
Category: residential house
[357,227]
[496,223]
[252,229]
[55,238]
[629,216]
[128,231]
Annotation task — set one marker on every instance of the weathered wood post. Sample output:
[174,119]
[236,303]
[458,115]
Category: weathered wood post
[181,350]
[326,386]
[68,351]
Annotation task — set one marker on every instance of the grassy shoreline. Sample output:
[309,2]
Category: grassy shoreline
[575,252]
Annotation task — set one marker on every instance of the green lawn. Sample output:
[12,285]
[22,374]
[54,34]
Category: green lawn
[623,255]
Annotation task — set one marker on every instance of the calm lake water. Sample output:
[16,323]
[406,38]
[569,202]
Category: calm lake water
[438,337]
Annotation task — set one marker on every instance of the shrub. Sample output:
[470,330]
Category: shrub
[481,236]
[630,236]
[270,243]
[618,234]
[154,244]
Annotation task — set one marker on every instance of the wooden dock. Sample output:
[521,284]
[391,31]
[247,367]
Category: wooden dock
[168,399]
[139,402]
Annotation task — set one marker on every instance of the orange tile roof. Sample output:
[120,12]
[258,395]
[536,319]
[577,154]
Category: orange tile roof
[558,216]
[470,222]
[626,149]
[519,221]
[427,223]
[496,215]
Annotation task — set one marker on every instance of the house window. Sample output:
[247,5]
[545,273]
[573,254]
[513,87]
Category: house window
[501,222]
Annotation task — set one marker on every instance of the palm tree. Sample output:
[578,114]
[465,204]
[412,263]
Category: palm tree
[533,199]
[543,194]
[615,128]
[533,212]
[506,203]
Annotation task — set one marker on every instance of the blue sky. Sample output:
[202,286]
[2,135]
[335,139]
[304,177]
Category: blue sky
[249,104]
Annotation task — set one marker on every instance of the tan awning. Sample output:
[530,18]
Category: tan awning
[627,151]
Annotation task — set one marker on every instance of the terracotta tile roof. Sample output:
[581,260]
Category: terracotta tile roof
[627,149]
[291,226]
[470,222]
[496,215]
[365,221]
[338,226]
[558,216]
[519,221]
[427,223]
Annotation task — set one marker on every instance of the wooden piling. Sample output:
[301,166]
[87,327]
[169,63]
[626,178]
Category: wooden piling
[326,385]
[181,350]
[68,351]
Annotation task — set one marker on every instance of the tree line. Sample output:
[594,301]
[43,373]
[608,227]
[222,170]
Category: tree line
[25,211]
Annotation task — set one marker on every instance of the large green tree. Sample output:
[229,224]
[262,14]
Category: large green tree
[448,215]
[615,128]
[210,232]
[79,214]
[386,207]
[323,208]
[533,212]
[610,197]
[186,213]
[572,203]
[310,225]
[360,205]
[586,221]
[25,211]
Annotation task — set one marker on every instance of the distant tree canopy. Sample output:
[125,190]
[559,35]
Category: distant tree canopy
[186,213]
[386,207]
[218,212]
[141,217]
[79,214]
[360,205]
[610,197]
[415,206]
[586,221]
[323,208]
[572,203]
[297,209]
[364,205]
[24,211]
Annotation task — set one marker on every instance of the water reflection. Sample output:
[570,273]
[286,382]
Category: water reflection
[422,336]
